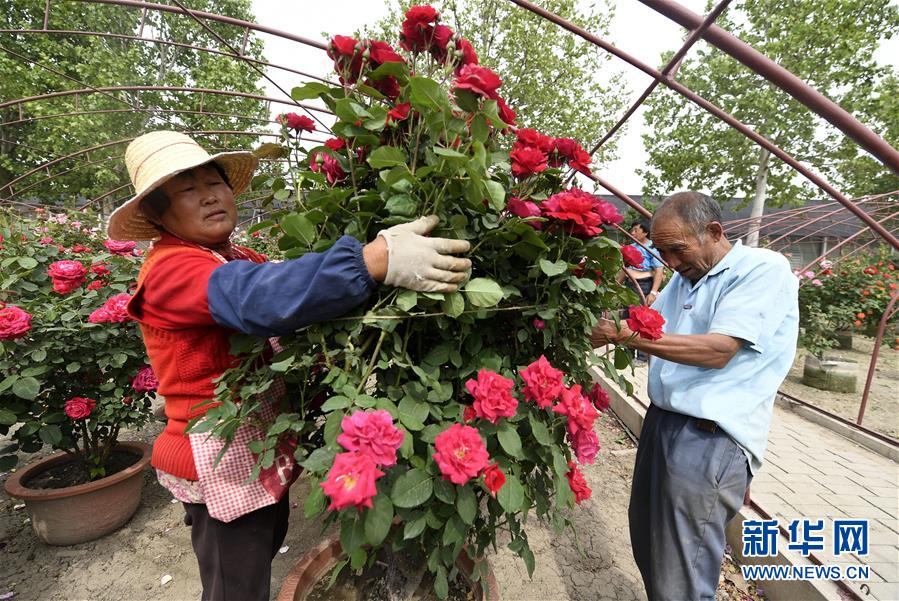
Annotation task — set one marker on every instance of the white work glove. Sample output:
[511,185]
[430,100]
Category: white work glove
[424,264]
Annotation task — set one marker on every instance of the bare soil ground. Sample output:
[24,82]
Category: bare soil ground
[134,563]
[883,403]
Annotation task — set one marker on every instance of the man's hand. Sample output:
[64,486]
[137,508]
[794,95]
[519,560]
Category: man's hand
[424,264]
[606,332]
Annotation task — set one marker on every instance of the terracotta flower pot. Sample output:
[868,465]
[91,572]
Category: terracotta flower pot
[316,563]
[76,514]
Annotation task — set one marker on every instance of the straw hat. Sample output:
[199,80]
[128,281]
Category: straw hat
[155,157]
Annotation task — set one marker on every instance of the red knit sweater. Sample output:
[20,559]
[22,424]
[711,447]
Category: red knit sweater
[186,347]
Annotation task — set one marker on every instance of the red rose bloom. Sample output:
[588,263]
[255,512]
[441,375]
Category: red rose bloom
[112,311]
[418,28]
[335,144]
[96,285]
[646,322]
[461,454]
[440,39]
[398,113]
[539,324]
[120,247]
[505,113]
[371,433]
[67,275]
[388,86]
[342,47]
[523,208]
[542,382]
[608,213]
[297,122]
[480,80]
[80,248]
[494,478]
[532,137]
[527,161]
[79,407]
[14,322]
[467,54]
[469,414]
[145,380]
[578,208]
[325,163]
[632,255]
[578,483]
[599,397]
[492,396]
[586,445]
[580,412]
[381,52]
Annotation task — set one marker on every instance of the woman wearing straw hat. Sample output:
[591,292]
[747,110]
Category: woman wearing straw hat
[194,290]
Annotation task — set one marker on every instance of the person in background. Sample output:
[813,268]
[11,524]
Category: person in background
[731,322]
[648,275]
[194,290]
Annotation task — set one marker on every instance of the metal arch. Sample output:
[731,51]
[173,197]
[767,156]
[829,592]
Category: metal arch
[167,43]
[718,112]
[136,110]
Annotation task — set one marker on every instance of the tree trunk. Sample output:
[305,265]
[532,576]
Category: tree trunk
[758,201]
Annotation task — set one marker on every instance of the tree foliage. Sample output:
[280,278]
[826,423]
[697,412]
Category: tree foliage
[558,83]
[79,61]
[830,44]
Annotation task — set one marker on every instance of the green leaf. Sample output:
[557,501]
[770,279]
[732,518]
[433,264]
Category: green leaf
[73,367]
[334,403]
[445,491]
[415,527]
[335,573]
[511,495]
[453,304]
[386,156]
[509,440]
[622,358]
[412,413]
[315,501]
[540,431]
[449,153]
[395,69]
[299,227]
[27,262]
[26,388]
[454,531]
[412,489]
[50,434]
[496,195]
[378,519]
[466,504]
[483,292]
[319,460]
[552,269]
[425,94]
[39,355]
[8,381]
[358,558]
[441,586]
[352,533]
[310,90]
[7,417]
[401,204]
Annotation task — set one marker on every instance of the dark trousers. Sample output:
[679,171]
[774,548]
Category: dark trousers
[236,557]
[688,484]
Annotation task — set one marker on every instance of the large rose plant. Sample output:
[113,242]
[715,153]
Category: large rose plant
[73,368]
[433,423]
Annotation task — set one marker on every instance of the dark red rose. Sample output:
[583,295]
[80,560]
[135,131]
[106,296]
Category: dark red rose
[14,322]
[578,208]
[632,255]
[325,163]
[388,86]
[599,397]
[578,483]
[479,80]
[527,161]
[79,407]
[398,113]
[539,324]
[505,113]
[646,322]
[469,414]
[382,52]
[145,380]
[523,208]
[532,137]
[342,46]
[494,478]
[467,53]
[418,28]
[440,39]
[335,144]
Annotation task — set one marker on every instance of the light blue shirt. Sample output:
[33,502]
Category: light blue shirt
[650,261]
[751,294]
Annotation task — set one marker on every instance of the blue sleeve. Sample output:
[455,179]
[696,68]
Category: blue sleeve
[755,303]
[270,299]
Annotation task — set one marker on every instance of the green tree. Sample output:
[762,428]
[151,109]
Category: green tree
[830,44]
[556,82]
[79,61]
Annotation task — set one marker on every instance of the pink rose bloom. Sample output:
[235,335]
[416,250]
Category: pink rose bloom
[112,311]
[120,247]
[608,213]
[492,396]
[372,433]
[580,412]
[542,382]
[586,445]
[14,322]
[809,274]
[67,275]
[145,380]
[45,241]
[325,163]
[817,282]
[351,481]
[79,407]
[461,454]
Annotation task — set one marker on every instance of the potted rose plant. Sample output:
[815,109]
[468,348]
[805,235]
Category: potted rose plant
[73,373]
[446,419]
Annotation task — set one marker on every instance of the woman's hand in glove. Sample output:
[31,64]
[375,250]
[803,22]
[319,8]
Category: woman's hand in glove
[417,262]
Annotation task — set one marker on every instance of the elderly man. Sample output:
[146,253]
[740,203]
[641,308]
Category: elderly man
[731,322]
